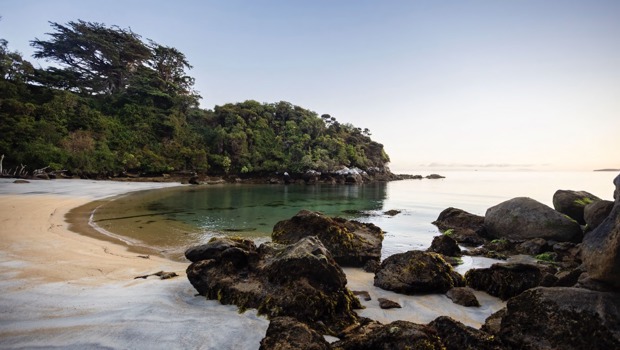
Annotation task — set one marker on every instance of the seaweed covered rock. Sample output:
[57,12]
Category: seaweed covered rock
[300,280]
[445,245]
[416,272]
[396,335]
[456,336]
[351,243]
[524,218]
[286,333]
[572,203]
[559,318]
[463,227]
[506,280]
[595,213]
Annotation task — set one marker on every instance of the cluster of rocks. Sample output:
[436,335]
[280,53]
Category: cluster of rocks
[562,288]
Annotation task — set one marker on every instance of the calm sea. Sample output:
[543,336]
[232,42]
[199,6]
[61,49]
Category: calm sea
[171,219]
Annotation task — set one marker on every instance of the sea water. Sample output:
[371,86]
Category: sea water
[172,219]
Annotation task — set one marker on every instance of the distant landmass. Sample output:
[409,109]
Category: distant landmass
[607,170]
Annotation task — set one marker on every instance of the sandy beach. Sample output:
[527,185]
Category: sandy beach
[61,289]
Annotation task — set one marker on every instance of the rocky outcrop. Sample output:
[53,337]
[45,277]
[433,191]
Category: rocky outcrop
[559,318]
[457,336]
[395,335]
[417,272]
[286,333]
[463,296]
[523,218]
[572,203]
[600,250]
[508,280]
[463,227]
[595,213]
[351,243]
[300,280]
[445,245]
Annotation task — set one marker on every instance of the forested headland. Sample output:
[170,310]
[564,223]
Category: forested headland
[112,103]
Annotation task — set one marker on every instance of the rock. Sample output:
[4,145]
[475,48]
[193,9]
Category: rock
[456,336]
[20,181]
[392,212]
[372,266]
[435,176]
[445,245]
[533,247]
[216,246]
[568,278]
[463,227]
[594,213]
[463,296]
[388,304]
[194,180]
[362,294]
[300,280]
[505,280]
[311,177]
[600,250]
[572,203]
[351,243]
[561,318]
[395,335]
[523,218]
[416,272]
[286,333]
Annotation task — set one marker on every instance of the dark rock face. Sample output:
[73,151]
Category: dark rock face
[464,227]
[351,243]
[457,336]
[561,318]
[301,280]
[445,245]
[416,272]
[595,213]
[463,296]
[600,250]
[523,218]
[505,280]
[286,333]
[572,203]
[215,248]
[393,336]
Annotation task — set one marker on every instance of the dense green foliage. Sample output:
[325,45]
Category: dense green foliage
[113,103]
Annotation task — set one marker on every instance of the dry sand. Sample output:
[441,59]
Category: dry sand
[61,289]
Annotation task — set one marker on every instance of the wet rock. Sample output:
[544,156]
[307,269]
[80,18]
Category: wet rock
[600,250]
[286,333]
[362,294]
[416,272]
[572,203]
[396,335]
[561,318]
[594,213]
[435,176]
[351,243]
[523,218]
[505,280]
[388,304]
[392,212]
[457,336]
[300,280]
[463,296]
[463,227]
[216,246]
[445,245]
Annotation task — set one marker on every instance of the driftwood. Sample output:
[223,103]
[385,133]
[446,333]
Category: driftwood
[162,275]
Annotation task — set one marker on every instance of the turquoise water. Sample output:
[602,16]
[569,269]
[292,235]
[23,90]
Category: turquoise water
[173,218]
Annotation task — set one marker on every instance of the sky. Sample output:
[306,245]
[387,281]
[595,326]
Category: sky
[451,84]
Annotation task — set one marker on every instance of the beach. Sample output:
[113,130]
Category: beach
[62,289]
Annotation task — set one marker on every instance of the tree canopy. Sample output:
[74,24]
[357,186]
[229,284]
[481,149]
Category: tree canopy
[113,103]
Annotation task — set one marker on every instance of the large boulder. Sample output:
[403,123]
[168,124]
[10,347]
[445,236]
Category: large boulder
[445,245]
[301,280]
[286,333]
[456,336]
[600,250]
[572,203]
[506,280]
[351,243]
[417,272]
[596,212]
[524,218]
[395,335]
[463,227]
[559,318]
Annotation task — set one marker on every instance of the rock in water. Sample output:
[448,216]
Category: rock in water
[388,304]
[445,245]
[416,272]
[560,318]
[463,296]
[300,280]
[462,226]
[351,243]
[505,280]
[572,203]
[286,333]
[523,218]
[600,250]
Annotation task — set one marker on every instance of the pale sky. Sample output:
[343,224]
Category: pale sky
[523,84]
